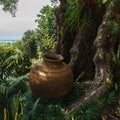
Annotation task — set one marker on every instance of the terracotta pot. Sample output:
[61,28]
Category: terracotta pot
[51,78]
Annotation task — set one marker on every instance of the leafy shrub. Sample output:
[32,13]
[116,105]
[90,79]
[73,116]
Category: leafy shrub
[47,29]
[10,109]
[109,97]
[12,61]
[76,17]
[3,103]
[16,59]
[50,109]
[17,84]
[50,112]
[113,27]
[88,111]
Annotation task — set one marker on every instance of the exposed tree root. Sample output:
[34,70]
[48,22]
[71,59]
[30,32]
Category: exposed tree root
[96,93]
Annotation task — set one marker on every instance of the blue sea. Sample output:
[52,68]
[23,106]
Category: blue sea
[7,41]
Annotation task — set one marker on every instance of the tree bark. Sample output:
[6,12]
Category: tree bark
[102,61]
[59,22]
[63,39]
[82,51]
[76,47]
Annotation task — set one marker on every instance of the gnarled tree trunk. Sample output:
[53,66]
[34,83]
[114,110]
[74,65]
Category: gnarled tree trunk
[102,61]
[78,51]
[76,47]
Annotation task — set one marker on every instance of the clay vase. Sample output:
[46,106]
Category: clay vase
[51,78]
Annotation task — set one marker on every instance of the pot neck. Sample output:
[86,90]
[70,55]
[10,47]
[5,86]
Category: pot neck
[53,58]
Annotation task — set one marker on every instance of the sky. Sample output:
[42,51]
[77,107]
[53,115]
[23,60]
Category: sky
[14,27]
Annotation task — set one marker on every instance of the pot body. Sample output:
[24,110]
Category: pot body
[50,79]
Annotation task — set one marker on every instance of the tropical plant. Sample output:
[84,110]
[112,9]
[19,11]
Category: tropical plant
[13,61]
[16,59]
[29,44]
[47,29]
[10,109]
[46,21]
[10,56]
[76,16]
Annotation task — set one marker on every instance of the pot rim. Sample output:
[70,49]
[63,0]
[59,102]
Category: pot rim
[51,57]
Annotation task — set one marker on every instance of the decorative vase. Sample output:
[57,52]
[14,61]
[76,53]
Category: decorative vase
[51,78]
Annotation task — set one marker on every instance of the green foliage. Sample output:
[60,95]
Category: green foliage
[3,103]
[50,112]
[47,29]
[29,44]
[77,91]
[52,109]
[17,84]
[46,21]
[92,110]
[104,1]
[17,59]
[118,110]
[11,106]
[9,58]
[113,27]
[54,1]
[47,44]
[28,108]
[76,16]
[12,61]
[10,109]
[88,111]
[9,5]
[116,58]
[109,97]
[15,107]
[115,5]
[28,102]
